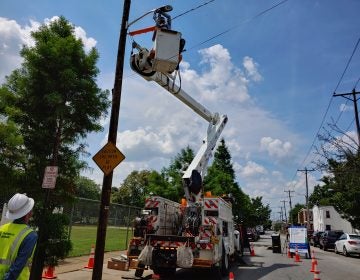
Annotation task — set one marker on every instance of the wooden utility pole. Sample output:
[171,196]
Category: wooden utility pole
[290,217]
[307,195]
[284,210]
[113,127]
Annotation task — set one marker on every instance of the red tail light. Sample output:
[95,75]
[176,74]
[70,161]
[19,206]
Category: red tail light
[352,242]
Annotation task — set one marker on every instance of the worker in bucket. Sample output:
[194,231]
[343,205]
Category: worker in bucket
[17,239]
[162,19]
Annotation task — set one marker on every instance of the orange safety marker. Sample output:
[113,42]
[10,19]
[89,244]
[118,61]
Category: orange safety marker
[252,251]
[313,262]
[297,256]
[49,273]
[91,258]
[316,272]
[289,253]
[143,30]
[231,276]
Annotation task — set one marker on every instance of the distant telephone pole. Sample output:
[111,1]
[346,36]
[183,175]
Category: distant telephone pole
[354,100]
[290,216]
[284,210]
[307,194]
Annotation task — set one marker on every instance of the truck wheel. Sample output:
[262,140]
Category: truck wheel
[140,270]
[165,272]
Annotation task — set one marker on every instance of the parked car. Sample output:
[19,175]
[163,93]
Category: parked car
[252,234]
[315,238]
[328,238]
[348,244]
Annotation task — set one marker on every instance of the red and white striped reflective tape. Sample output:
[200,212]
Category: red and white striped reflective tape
[152,219]
[205,234]
[151,203]
[210,220]
[211,204]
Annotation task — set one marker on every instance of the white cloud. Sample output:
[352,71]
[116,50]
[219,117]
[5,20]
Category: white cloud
[88,42]
[12,38]
[252,169]
[219,79]
[346,108]
[251,68]
[275,147]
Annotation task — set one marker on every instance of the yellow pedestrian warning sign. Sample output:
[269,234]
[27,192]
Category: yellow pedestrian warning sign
[108,158]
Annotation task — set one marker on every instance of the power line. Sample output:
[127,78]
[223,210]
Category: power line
[238,25]
[331,99]
[193,9]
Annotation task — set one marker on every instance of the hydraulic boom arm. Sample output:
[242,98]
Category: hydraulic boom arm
[161,65]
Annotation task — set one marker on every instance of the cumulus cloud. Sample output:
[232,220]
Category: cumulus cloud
[252,169]
[219,78]
[14,36]
[275,147]
[251,68]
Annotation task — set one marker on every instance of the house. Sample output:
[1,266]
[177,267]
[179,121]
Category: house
[302,218]
[327,218]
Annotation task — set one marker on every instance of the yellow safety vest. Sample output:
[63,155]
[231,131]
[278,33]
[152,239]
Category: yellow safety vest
[11,237]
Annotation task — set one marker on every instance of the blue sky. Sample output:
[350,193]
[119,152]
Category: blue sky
[273,74]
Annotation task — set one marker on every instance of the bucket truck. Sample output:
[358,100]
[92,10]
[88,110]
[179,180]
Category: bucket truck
[207,225]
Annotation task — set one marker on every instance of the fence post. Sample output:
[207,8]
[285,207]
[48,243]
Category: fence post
[127,229]
[71,219]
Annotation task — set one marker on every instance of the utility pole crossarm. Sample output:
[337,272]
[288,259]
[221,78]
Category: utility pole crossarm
[354,100]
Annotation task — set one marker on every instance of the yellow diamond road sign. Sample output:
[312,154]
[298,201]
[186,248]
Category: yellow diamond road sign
[108,158]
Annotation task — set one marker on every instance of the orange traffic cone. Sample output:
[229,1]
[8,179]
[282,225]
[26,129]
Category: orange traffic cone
[313,262]
[91,258]
[289,253]
[316,272]
[252,251]
[49,273]
[297,256]
[231,276]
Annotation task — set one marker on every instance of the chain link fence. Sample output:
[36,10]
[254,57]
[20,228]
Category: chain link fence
[85,212]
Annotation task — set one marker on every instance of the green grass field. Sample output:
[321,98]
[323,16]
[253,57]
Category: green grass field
[82,237]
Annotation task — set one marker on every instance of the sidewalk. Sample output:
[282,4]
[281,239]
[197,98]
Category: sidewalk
[73,269]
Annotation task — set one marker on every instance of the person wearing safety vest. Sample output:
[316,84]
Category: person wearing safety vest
[17,239]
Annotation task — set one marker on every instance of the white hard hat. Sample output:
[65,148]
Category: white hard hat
[19,205]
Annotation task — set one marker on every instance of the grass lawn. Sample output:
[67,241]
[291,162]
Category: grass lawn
[82,237]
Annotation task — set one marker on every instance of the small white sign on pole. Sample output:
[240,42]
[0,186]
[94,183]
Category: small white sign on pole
[50,176]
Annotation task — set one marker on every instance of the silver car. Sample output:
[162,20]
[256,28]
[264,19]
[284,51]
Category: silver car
[347,244]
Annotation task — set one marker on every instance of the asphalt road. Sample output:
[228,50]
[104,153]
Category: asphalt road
[265,265]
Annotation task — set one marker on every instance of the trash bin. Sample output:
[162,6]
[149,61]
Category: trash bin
[276,243]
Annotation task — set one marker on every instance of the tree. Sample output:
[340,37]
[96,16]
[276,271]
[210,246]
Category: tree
[54,101]
[293,214]
[260,214]
[87,188]
[342,161]
[173,173]
[132,190]
[220,180]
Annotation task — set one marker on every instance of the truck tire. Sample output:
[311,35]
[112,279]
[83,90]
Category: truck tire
[140,270]
[165,272]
